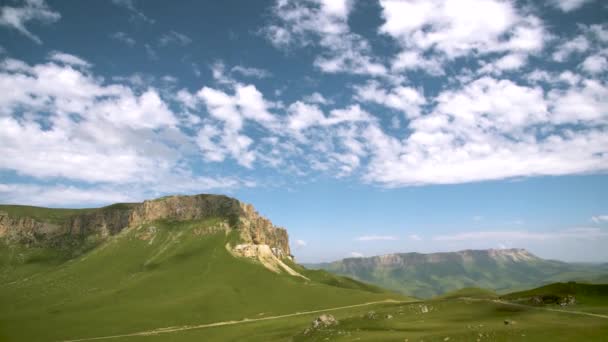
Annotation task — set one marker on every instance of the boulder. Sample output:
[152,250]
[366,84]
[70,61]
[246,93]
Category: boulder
[324,321]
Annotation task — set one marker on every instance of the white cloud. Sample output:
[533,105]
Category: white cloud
[377,238]
[304,115]
[406,99]
[173,37]
[568,5]
[356,255]
[452,28]
[251,72]
[577,45]
[595,64]
[573,233]
[507,62]
[323,23]
[232,111]
[488,130]
[32,10]
[123,37]
[76,127]
[584,102]
[317,98]
[68,59]
[414,60]
[599,218]
[300,243]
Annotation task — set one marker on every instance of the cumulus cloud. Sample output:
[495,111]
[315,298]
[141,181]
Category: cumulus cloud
[452,29]
[566,49]
[323,23]
[300,243]
[31,10]
[406,99]
[595,64]
[414,60]
[67,125]
[247,103]
[356,255]
[486,130]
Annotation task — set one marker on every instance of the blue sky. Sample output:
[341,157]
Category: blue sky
[363,127]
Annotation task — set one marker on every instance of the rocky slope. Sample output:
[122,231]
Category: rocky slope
[26,225]
[426,275]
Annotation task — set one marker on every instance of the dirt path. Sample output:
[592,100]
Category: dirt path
[217,324]
[549,309]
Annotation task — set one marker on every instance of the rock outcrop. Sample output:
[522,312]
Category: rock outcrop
[254,229]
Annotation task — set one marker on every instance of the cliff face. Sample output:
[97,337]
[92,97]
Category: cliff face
[111,220]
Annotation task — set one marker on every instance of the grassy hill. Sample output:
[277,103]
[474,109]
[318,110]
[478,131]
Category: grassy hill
[174,280]
[164,273]
[428,275]
[469,292]
[586,297]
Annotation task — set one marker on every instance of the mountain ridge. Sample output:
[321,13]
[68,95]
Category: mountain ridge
[26,224]
[426,275]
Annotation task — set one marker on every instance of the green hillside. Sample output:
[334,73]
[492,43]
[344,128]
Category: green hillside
[156,275]
[587,297]
[469,292]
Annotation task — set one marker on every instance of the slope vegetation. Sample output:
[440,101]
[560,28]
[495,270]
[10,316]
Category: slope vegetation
[156,274]
[428,275]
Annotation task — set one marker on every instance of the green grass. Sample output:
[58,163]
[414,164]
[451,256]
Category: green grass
[157,275]
[50,215]
[589,297]
[470,292]
[457,320]
[422,279]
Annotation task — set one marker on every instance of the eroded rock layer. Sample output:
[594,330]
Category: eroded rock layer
[107,221]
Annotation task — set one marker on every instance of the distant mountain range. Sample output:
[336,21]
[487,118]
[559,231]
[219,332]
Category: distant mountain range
[427,275]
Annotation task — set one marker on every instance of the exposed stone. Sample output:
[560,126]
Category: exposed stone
[324,321]
[103,222]
[371,315]
[568,300]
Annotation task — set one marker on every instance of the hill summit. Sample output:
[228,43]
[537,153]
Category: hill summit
[68,274]
[69,227]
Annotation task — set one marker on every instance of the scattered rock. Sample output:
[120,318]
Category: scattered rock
[324,321]
[371,315]
[446,339]
[389,316]
[568,300]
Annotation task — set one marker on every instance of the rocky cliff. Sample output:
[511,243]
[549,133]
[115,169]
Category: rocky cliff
[107,221]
